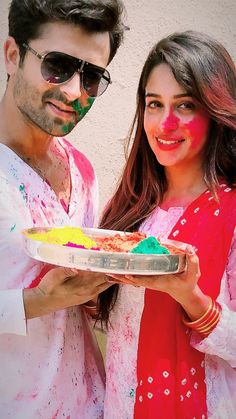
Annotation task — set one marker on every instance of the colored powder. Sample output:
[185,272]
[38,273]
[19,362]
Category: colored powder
[13,228]
[63,236]
[79,246]
[67,128]
[82,108]
[150,245]
[22,190]
[120,243]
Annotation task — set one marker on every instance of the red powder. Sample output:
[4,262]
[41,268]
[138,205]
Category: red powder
[120,243]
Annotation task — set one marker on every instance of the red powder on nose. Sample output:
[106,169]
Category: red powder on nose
[171,122]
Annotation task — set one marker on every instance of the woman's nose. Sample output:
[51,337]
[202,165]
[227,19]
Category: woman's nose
[169,122]
[72,88]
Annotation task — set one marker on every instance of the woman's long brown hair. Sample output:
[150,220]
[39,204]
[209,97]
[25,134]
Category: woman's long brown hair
[205,69]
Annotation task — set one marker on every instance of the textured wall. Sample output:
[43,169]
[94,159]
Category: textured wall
[101,134]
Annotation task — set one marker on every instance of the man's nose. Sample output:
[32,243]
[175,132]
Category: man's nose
[169,121]
[72,88]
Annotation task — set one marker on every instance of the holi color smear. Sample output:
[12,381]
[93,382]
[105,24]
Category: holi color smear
[22,190]
[13,228]
[83,109]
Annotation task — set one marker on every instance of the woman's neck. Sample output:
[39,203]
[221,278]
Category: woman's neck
[184,185]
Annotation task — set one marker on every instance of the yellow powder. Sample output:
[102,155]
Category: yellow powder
[64,235]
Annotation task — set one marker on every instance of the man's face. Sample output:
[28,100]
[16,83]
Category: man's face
[56,109]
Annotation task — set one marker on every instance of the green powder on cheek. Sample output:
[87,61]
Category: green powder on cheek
[67,128]
[82,110]
[150,245]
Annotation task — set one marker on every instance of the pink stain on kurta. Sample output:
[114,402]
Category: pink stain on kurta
[46,351]
[83,165]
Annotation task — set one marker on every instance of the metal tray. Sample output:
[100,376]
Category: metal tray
[101,261]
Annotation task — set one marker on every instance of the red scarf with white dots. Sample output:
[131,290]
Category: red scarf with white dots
[171,373]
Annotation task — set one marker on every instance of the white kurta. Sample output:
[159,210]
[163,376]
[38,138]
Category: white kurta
[50,366]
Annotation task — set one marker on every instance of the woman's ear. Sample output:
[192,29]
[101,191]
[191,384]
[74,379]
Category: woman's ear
[11,55]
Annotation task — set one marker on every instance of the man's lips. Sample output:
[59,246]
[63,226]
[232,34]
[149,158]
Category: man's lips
[61,108]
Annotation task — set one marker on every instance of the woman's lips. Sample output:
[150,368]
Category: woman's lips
[169,144]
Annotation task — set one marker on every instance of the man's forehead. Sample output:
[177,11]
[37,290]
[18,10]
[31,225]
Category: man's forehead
[74,40]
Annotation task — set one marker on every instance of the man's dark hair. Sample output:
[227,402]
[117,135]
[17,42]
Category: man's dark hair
[26,18]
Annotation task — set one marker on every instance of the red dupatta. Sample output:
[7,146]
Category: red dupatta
[170,372]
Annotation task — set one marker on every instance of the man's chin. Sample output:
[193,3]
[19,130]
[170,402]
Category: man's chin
[62,130]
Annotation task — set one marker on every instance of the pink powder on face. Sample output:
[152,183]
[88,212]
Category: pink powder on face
[198,128]
[171,122]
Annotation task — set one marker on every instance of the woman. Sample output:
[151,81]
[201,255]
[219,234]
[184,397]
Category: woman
[176,356]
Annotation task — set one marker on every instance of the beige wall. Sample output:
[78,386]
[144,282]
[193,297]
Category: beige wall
[101,134]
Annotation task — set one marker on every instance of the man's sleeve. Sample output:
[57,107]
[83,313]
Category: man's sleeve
[12,314]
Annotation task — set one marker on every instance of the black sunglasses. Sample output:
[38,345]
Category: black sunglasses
[58,68]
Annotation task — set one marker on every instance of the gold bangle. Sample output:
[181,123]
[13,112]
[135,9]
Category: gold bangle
[91,310]
[192,324]
[92,307]
[209,328]
[207,325]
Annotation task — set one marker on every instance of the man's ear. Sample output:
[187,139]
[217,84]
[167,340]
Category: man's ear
[11,55]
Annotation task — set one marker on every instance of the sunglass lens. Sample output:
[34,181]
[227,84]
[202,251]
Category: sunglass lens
[56,68]
[95,80]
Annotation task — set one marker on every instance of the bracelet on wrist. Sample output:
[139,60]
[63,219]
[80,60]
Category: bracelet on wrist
[206,323]
[91,309]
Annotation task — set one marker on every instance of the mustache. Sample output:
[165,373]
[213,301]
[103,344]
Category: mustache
[57,95]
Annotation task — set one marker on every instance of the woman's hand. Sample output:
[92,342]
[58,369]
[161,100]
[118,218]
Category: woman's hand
[183,287]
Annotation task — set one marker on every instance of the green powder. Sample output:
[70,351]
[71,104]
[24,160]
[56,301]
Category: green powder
[150,245]
[82,109]
[67,128]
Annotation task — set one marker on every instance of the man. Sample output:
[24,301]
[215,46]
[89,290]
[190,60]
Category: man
[56,57]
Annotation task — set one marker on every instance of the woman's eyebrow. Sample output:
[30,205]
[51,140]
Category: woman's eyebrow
[149,94]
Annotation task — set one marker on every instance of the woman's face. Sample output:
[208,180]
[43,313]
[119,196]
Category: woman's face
[175,124]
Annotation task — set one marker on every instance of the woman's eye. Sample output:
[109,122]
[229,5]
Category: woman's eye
[153,105]
[188,106]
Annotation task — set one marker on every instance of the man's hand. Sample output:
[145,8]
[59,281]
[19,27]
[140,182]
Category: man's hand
[61,288]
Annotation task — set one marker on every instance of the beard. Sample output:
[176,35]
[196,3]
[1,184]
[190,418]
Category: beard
[32,103]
